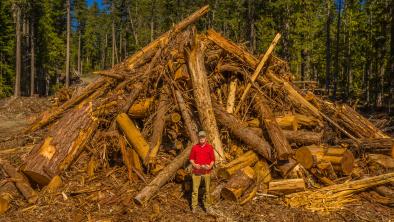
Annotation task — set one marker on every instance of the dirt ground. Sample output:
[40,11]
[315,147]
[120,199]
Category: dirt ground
[107,196]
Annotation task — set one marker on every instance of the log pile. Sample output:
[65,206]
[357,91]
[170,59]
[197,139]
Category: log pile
[268,136]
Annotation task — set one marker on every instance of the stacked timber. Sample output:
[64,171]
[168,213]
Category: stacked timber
[143,116]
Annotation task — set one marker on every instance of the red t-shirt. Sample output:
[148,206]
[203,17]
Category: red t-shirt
[203,155]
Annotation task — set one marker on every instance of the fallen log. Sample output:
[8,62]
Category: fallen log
[8,192]
[247,159]
[286,186]
[133,135]
[20,182]
[371,145]
[303,137]
[191,126]
[202,98]
[258,70]
[140,109]
[231,96]
[382,160]
[385,191]
[63,143]
[279,141]
[341,159]
[238,183]
[242,131]
[158,126]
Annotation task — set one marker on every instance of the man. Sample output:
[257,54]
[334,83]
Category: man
[202,159]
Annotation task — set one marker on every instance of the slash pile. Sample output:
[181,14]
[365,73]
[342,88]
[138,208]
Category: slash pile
[141,118]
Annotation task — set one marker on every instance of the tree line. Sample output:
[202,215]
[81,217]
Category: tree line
[346,46]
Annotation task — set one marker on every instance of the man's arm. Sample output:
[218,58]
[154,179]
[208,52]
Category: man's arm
[195,165]
[192,157]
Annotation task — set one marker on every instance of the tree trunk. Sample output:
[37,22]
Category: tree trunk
[152,20]
[328,47]
[279,141]
[158,125]
[238,183]
[391,79]
[20,182]
[32,60]
[63,143]
[203,98]
[18,53]
[336,72]
[242,131]
[286,186]
[133,135]
[247,159]
[303,137]
[79,68]
[133,28]
[68,5]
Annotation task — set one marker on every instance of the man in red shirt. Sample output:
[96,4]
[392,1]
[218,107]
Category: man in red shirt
[202,159]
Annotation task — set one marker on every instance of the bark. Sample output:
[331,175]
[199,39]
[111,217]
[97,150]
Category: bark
[258,70]
[328,47]
[203,98]
[336,72]
[279,141]
[242,131]
[20,182]
[68,5]
[158,125]
[371,145]
[63,143]
[191,126]
[303,137]
[238,183]
[133,28]
[79,68]
[286,186]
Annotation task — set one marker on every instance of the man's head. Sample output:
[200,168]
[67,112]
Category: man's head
[202,136]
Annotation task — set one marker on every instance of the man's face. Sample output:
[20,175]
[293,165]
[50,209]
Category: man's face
[203,140]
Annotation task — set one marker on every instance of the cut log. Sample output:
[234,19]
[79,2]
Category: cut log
[170,170]
[375,197]
[258,70]
[8,192]
[371,145]
[63,143]
[385,191]
[341,159]
[382,160]
[279,141]
[247,159]
[286,186]
[303,137]
[20,181]
[133,135]
[238,183]
[127,157]
[141,108]
[285,167]
[231,96]
[98,88]
[242,131]
[158,126]
[287,122]
[203,98]
[54,185]
[191,127]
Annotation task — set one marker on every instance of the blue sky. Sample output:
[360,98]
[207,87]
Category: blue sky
[90,2]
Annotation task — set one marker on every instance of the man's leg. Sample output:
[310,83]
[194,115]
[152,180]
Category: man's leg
[207,196]
[196,184]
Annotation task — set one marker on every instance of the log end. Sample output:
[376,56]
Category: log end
[37,177]
[347,162]
[304,157]
[228,194]
[4,205]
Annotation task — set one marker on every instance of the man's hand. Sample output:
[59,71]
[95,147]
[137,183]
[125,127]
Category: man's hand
[197,166]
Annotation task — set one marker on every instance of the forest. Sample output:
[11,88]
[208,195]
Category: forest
[345,46]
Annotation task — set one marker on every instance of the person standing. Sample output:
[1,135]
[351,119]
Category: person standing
[202,159]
